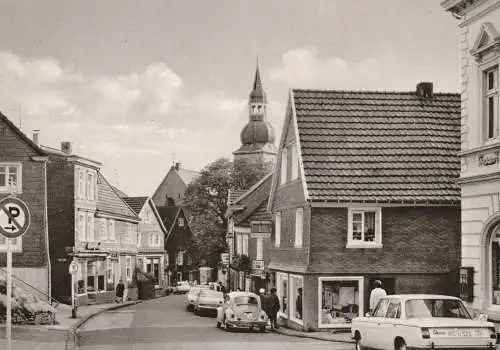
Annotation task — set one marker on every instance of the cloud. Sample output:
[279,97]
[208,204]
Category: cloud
[139,117]
[386,69]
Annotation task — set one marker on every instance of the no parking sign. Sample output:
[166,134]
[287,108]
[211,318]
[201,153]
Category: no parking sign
[14,217]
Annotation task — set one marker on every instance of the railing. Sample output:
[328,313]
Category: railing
[53,302]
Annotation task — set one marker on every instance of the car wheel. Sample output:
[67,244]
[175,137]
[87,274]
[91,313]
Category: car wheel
[218,324]
[400,345]
[196,311]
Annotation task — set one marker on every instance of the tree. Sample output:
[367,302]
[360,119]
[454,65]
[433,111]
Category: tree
[206,199]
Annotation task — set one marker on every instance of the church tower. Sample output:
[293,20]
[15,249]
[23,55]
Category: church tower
[258,136]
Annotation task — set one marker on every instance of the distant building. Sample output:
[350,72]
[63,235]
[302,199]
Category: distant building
[479,40]
[151,257]
[171,190]
[90,223]
[178,244]
[364,189]
[23,171]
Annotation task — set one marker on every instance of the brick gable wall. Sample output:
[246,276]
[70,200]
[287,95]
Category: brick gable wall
[415,240]
[14,149]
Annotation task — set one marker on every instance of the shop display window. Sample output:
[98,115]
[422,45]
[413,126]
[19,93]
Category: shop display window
[282,292]
[495,267]
[296,301]
[340,300]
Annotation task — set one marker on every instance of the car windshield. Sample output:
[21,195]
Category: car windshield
[211,293]
[245,300]
[419,308]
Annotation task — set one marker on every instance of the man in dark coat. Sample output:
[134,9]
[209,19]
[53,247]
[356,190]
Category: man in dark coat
[273,305]
[298,304]
[119,291]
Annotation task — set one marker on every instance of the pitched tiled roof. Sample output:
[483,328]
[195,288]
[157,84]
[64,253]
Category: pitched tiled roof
[379,146]
[109,202]
[136,203]
[25,138]
[187,175]
[168,215]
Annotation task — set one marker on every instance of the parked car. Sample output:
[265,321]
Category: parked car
[192,296]
[422,321]
[208,300]
[241,310]
[182,287]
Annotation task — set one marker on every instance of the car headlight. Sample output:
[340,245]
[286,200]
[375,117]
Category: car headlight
[425,333]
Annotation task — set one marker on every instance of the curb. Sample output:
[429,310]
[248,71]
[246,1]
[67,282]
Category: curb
[310,336]
[72,333]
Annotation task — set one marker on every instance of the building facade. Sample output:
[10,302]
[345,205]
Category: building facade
[364,189]
[152,257]
[91,224]
[23,171]
[171,190]
[479,25]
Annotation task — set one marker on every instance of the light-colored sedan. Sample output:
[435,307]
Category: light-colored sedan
[182,287]
[422,321]
[208,300]
[242,310]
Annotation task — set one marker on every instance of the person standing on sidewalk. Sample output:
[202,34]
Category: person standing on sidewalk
[376,294]
[274,307]
[119,291]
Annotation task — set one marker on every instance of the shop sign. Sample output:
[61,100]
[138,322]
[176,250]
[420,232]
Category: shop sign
[258,265]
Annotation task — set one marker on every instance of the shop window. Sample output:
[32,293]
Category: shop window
[128,268]
[495,269]
[282,292]
[340,301]
[91,273]
[296,302]
[80,273]
[109,268]
[365,228]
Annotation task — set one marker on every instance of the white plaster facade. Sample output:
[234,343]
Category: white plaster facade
[479,21]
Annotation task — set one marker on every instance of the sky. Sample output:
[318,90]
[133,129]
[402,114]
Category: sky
[139,85]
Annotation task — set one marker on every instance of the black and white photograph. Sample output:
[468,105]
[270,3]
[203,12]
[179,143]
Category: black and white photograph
[249,174]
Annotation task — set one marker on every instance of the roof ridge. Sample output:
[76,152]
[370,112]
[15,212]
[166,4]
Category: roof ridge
[118,195]
[361,91]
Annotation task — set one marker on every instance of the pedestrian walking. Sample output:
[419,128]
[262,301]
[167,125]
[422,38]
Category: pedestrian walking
[120,288]
[273,304]
[376,294]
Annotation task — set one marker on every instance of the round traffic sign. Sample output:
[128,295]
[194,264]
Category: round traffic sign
[73,267]
[14,217]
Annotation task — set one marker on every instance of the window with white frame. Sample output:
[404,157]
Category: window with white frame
[241,243]
[299,224]
[294,161]
[82,234]
[156,241]
[81,184]
[90,227]
[365,227]
[491,102]
[104,225]
[180,222]
[260,250]
[88,180]
[277,229]
[179,259]
[284,165]
[128,267]
[10,177]
[111,229]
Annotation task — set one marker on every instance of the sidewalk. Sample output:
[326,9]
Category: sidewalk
[332,336]
[64,332]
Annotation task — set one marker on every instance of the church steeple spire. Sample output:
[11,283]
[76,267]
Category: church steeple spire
[257,95]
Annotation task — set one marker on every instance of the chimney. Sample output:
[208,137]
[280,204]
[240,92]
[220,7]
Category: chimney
[35,136]
[67,147]
[424,89]
[177,166]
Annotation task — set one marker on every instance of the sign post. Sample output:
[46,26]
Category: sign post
[14,222]
[73,268]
